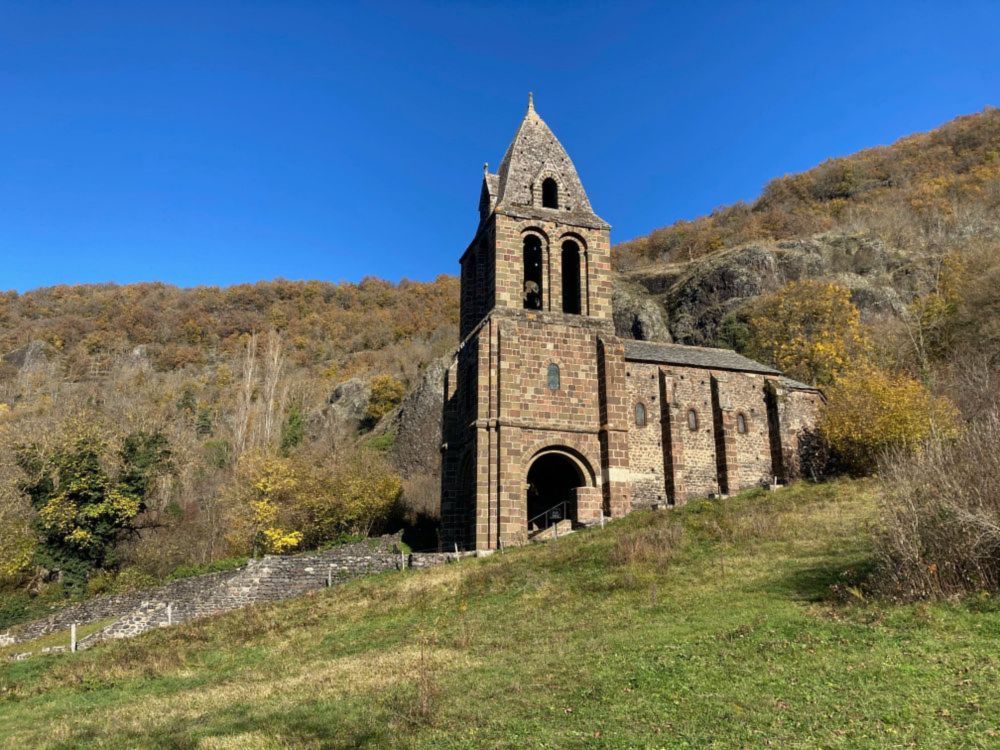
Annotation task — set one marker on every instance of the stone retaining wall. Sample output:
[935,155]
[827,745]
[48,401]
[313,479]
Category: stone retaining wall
[270,578]
[116,605]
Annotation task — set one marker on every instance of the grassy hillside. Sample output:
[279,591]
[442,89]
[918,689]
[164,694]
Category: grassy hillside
[718,625]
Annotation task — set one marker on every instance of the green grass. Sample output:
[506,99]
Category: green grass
[707,627]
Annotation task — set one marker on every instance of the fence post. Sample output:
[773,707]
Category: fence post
[72,637]
[329,576]
[402,560]
[170,613]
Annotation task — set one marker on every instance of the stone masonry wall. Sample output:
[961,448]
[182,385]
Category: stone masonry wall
[799,412]
[117,605]
[671,463]
[270,578]
[696,468]
[748,454]
[645,444]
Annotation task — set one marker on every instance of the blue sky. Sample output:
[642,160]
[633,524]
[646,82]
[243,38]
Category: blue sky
[218,143]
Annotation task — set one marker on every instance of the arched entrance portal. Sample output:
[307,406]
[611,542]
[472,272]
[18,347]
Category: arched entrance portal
[552,480]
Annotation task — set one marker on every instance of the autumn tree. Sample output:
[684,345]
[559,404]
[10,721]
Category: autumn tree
[870,411]
[810,330]
[264,504]
[363,492]
[280,504]
[87,496]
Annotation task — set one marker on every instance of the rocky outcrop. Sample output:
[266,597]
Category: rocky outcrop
[700,296]
[416,424]
[345,414]
[636,315]
[32,357]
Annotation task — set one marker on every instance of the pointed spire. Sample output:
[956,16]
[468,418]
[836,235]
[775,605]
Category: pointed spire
[531,103]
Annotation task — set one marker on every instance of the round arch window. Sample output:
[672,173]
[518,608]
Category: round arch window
[741,424]
[640,414]
[553,377]
[692,420]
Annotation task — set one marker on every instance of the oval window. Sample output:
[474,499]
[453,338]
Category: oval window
[553,377]
[692,420]
[640,415]
[741,424]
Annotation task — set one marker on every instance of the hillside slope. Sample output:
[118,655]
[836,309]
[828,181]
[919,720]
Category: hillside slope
[151,356]
[711,626]
[877,222]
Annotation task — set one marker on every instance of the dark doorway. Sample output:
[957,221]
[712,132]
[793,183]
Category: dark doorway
[532,273]
[551,481]
[571,277]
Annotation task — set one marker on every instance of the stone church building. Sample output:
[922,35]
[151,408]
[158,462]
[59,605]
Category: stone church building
[550,418]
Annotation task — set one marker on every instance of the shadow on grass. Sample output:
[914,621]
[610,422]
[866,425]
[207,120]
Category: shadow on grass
[241,725]
[831,580]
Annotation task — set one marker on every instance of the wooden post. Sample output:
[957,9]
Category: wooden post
[72,637]
[170,613]
[402,560]
[329,576]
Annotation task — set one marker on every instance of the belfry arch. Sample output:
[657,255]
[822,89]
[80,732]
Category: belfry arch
[533,283]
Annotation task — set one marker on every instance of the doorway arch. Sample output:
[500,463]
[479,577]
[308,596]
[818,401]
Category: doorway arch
[553,477]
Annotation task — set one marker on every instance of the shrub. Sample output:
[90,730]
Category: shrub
[386,394]
[869,412]
[362,494]
[940,525]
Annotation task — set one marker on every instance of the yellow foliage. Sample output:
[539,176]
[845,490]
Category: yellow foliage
[810,330]
[264,500]
[869,411]
[386,393]
[18,540]
[281,504]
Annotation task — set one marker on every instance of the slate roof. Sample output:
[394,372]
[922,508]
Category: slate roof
[693,356]
[795,385]
[536,152]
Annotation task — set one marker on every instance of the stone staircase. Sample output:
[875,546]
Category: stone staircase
[556,530]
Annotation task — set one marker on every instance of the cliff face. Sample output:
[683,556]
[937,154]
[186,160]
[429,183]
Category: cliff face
[697,296]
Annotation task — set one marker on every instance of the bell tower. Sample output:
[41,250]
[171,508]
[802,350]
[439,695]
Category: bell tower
[539,245]
[535,416]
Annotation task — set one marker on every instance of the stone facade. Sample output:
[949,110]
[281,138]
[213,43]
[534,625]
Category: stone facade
[547,413]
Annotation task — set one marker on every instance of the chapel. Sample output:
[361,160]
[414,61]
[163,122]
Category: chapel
[553,421]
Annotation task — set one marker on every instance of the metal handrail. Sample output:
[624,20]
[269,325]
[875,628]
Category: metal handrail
[564,505]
